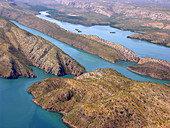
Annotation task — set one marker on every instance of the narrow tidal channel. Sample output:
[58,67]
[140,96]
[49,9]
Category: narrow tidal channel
[17,109]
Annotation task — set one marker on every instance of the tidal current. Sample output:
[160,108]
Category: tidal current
[17,109]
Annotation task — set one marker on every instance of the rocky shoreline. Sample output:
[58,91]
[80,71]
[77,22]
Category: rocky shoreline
[162,40]
[104,98]
[68,123]
[94,46]
[155,68]
[86,43]
[60,112]
[20,49]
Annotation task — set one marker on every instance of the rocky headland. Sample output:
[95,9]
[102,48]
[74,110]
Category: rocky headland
[104,98]
[156,38]
[20,49]
[155,68]
[92,45]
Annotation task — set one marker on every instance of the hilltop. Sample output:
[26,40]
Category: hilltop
[20,49]
[104,98]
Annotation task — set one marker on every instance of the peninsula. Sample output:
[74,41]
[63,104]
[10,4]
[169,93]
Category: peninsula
[104,98]
[20,49]
[155,68]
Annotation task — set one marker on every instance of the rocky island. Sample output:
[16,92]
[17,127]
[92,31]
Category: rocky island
[20,49]
[155,68]
[104,98]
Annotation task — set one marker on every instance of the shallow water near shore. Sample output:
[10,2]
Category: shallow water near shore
[17,109]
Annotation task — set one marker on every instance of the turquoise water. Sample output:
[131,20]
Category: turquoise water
[92,62]
[16,107]
[141,48]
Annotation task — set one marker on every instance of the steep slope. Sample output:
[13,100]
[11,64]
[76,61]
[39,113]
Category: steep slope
[155,68]
[13,63]
[20,49]
[104,98]
[86,43]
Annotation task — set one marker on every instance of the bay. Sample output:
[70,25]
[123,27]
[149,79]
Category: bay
[17,109]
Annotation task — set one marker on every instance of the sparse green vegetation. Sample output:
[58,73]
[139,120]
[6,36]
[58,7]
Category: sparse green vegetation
[20,49]
[105,99]
[159,69]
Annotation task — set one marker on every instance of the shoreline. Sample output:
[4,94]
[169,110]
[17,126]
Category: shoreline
[107,24]
[59,112]
[68,123]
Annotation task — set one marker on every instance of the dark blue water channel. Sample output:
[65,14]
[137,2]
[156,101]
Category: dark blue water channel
[16,107]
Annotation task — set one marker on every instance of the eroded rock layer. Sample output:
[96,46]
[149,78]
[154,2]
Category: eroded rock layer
[21,49]
[155,68]
[104,98]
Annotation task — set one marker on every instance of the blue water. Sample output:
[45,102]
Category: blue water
[141,48]
[17,109]
[92,62]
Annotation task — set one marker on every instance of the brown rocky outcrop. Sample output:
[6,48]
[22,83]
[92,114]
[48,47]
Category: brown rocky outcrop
[21,49]
[104,98]
[13,63]
[157,38]
[11,67]
[126,54]
[155,68]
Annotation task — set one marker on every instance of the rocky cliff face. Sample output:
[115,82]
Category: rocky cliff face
[156,38]
[20,49]
[104,98]
[124,53]
[11,67]
[159,69]
[13,63]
